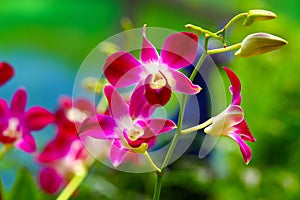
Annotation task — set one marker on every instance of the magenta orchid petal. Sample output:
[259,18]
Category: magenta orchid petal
[3,108]
[235,87]
[118,107]
[245,149]
[159,125]
[122,69]
[182,84]
[50,180]
[244,131]
[18,102]
[117,153]
[54,150]
[26,142]
[179,50]
[138,105]
[6,72]
[37,118]
[99,127]
[148,53]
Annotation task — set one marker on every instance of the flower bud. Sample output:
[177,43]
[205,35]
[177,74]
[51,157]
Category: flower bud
[259,43]
[258,15]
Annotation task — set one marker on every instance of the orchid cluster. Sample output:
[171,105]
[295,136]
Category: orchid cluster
[129,124]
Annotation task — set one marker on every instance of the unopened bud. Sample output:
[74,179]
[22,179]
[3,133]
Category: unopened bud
[258,15]
[259,43]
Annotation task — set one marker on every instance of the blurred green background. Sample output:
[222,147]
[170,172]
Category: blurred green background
[46,41]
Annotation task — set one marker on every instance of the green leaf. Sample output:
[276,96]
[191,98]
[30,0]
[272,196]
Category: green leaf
[24,187]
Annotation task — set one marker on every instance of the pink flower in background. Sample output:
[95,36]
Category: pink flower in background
[6,72]
[65,155]
[130,128]
[159,73]
[231,122]
[16,124]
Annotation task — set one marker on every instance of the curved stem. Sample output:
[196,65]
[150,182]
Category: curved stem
[234,19]
[198,30]
[150,161]
[73,185]
[196,128]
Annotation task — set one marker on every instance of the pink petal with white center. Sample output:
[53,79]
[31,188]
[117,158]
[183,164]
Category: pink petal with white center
[118,107]
[122,69]
[6,72]
[37,118]
[148,53]
[179,50]
[245,149]
[138,105]
[117,153]
[159,125]
[235,87]
[99,127]
[18,102]
[50,180]
[3,108]
[243,130]
[26,142]
[182,84]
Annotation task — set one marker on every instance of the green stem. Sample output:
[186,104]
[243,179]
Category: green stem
[234,19]
[196,128]
[71,187]
[160,175]
[150,161]
[198,30]
[222,50]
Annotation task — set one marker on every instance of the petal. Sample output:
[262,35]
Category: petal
[18,102]
[50,180]
[138,105]
[179,50]
[158,97]
[6,139]
[118,107]
[37,118]
[85,106]
[6,72]
[3,108]
[182,84]
[117,153]
[148,53]
[244,131]
[245,149]
[99,127]
[55,150]
[235,87]
[122,69]
[26,142]
[223,123]
[159,125]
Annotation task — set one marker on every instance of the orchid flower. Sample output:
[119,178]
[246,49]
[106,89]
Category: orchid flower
[130,128]
[65,155]
[159,73]
[6,72]
[231,122]
[16,124]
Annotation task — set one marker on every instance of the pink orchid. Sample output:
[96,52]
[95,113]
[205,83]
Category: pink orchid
[130,128]
[65,155]
[159,74]
[6,72]
[231,122]
[16,124]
